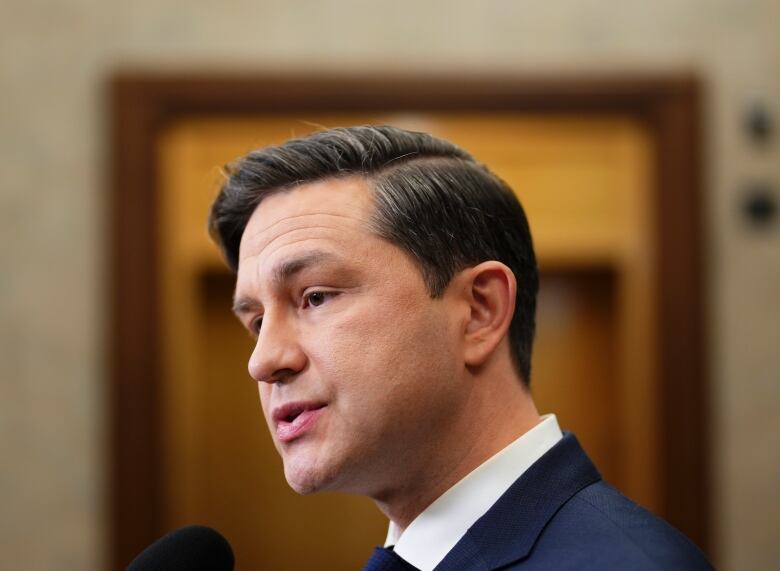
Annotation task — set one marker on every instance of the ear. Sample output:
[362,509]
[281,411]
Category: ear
[491,289]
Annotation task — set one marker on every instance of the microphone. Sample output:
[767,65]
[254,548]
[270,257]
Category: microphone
[190,548]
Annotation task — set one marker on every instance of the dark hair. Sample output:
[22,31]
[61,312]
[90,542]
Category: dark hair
[431,198]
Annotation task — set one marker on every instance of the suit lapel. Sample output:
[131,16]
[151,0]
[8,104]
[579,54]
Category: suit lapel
[508,531]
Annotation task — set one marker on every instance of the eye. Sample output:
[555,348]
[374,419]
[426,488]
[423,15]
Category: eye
[317,298]
[255,324]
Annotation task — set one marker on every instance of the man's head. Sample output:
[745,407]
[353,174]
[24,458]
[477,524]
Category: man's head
[376,268]
[429,198]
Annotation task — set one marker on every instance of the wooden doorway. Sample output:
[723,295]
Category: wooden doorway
[607,172]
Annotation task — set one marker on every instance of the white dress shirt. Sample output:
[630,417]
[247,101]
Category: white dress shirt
[436,530]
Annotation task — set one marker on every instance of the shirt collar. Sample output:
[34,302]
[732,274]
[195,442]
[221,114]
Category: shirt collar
[440,526]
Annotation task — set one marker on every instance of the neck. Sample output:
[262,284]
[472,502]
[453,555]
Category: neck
[502,409]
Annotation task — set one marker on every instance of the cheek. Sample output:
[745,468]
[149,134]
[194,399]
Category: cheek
[370,340]
[375,351]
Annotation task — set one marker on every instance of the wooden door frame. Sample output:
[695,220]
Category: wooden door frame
[143,104]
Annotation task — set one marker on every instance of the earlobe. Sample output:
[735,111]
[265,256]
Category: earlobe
[491,289]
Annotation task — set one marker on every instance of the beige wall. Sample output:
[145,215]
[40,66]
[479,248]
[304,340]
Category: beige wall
[54,59]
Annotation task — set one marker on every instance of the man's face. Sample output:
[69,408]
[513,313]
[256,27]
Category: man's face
[358,368]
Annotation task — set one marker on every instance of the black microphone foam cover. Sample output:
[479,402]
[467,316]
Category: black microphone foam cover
[191,548]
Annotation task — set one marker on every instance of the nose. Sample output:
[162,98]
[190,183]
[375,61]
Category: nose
[278,355]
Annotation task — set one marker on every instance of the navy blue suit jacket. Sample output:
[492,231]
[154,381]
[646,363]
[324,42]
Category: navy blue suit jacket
[561,515]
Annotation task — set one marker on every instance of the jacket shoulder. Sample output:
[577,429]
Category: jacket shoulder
[599,528]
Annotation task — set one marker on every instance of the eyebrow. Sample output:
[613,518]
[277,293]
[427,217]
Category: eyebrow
[282,273]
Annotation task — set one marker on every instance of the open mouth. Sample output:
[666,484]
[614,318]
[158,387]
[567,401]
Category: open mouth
[291,411]
[294,414]
[293,420]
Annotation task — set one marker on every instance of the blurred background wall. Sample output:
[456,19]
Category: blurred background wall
[55,58]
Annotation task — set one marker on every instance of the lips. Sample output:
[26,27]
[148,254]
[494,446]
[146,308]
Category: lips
[295,419]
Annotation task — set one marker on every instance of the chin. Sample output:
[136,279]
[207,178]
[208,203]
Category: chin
[304,488]
[307,479]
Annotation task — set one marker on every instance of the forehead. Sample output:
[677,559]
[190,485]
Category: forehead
[320,231]
[332,213]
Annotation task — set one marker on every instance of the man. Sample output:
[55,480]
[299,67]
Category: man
[391,283]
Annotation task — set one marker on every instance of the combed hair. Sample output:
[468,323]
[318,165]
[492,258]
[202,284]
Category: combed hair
[432,199]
